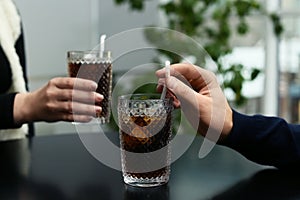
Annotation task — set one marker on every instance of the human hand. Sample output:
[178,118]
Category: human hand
[199,95]
[61,99]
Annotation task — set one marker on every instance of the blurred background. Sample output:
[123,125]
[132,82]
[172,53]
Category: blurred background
[258,44]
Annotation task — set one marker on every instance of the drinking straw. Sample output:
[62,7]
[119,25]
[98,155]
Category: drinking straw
[102,45]
[167,65]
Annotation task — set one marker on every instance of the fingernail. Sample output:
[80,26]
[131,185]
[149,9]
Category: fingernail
[159,72]
[98,109]
[99,97]
[161,81]
[94,85]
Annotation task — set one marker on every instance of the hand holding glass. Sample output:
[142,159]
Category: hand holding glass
[90,65]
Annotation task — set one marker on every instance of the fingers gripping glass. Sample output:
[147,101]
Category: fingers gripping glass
[95,66]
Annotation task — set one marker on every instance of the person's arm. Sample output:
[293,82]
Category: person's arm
[6,111]
[59,100]
[265,140]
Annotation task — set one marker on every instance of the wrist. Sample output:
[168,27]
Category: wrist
[21,109]
[228,124]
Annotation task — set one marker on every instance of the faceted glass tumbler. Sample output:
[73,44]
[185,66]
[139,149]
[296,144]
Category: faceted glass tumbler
[145,123]
[89,65]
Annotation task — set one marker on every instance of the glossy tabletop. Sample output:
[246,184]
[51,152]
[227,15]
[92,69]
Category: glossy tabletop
[60,167]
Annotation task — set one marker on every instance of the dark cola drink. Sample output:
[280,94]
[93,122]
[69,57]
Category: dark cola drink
[98,70]
[145,133]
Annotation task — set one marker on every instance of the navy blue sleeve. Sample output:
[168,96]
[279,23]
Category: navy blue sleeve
[265,140]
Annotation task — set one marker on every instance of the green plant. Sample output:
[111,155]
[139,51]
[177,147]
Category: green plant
[210,21]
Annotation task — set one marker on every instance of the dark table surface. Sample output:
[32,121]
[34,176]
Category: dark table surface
[60,167]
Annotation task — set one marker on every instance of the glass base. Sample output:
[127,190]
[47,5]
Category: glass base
[102,120]
[98,120]
[146,182]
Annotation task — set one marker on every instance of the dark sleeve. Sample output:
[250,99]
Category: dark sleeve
[20,49]
[265,140]
[6,111]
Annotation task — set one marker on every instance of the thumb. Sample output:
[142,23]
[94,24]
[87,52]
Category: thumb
[182,90]
[188,99]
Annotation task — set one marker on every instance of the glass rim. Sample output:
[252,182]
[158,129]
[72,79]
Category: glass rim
[86,51]
[90,55]
[148,97]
